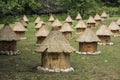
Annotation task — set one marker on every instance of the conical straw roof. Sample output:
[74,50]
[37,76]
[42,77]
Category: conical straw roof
[91,20]
[23,23]
[103,30]
[104,14]
[69,19]
[78,17]
[66,27]
[25,18]
[37,20]
[113,26]
[7,34]
[97,17]
[51,18]
[118,22]
[19,27]
[56,23]
[81,24]
[43,31]
[39,25]
[55,42]
[88,36]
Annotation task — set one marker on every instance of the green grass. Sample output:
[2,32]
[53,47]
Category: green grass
[105,66]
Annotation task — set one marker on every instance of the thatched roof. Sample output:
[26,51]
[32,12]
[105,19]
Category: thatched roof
[104,14]
[18,26]
[43,31]
[68,19]
[23,23]
[81,24]
[103,30]
[66,27]
[118,22]
[56,23]
[78,17]
[7,34]
[37,20]
[113,26]
[97,17]
[91,20]
[88,36]
[51,18]
[25,18]
[39,24]
[55,42]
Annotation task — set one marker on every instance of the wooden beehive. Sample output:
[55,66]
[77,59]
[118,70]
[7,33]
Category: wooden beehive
[67,30]
[78,17]
[80,27]
[88,41]
[98,19]
[91,22]
[104,34]
[114,28]
[20,30]
[69,20]
[25,19]
[41,34]
[8,40]
[51,19]
[55,51]
[104,16]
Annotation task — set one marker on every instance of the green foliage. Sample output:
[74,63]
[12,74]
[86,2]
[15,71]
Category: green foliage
[15,7]
[33,7]
[85,7]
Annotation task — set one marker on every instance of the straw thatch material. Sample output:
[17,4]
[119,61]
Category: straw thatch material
[66,27]
[8,40]
[51,19]
[104,34]
[91,22]
[78,17]
[88,36]
[104,30]
[80,27]
[104,16]
[88,41]
[37,20]
[98,19]
[55,53]
[69,20]
[19,27]
[57,24]
[39,25]
[20,30]
[67,30]
[114,28]
[118,22]
[7,34]
[55,43]
[24,23]
[41,34]
[25,19]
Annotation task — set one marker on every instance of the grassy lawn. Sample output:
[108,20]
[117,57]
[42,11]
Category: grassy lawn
[105,66]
